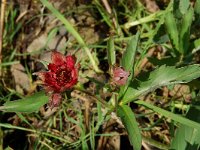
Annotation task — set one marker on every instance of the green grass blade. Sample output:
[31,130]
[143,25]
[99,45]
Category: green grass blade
[29,104]
[130,123]
[103,13]
[71,30]
[170,115]
[172,30]
[9,63]
[111,52]
[24,119]
[185,31]
[10,126]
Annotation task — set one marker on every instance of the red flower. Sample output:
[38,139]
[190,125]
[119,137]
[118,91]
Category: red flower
[120,76]
[62,74]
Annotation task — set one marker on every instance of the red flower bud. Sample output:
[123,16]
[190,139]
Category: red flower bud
[120,76]
[55,100]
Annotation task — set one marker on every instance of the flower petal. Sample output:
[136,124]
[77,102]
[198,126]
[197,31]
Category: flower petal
[52,67]
[72,81]
[70,61]
[120,76]
[120,72]
[62,74]
[57,58]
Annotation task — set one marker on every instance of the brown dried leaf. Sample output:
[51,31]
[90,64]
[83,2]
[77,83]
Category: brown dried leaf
[22,81]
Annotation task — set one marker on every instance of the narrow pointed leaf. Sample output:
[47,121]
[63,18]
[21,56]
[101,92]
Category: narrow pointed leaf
[111,52]
[128,61]
[163,76]
[185,30]
[129,54]
[130,123]
[172,30]
[197,7]
[28,104]
[183,6]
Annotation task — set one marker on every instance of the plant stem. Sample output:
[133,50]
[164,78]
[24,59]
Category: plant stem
[3,7]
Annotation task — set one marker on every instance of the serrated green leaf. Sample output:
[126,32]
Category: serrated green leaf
[162,76]
[111,52]
[183,6]
[184,36]
[28,104]
[129,55]
[130,123]
[187,137]
[172,30]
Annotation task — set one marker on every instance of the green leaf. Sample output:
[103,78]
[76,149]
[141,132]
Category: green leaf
[185,31]
[187,137]
[197,8]
[128,61]
[195,45]
[28,104]
[176,9]
[170,115]
[129,55]
[172,30]
[111,52]
[160,36]
[130,123]
[183,6]
[163,76]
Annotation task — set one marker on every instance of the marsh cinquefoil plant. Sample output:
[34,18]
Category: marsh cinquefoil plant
[63,74]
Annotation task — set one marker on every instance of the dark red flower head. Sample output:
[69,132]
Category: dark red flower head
[62,74]
[120,76]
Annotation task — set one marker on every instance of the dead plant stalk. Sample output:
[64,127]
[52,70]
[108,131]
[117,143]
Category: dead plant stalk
[3,7]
